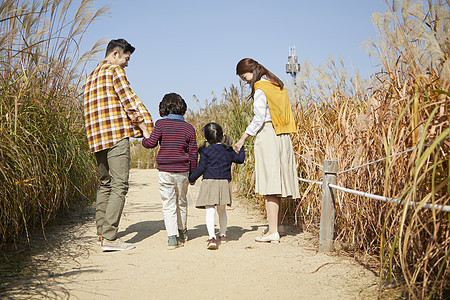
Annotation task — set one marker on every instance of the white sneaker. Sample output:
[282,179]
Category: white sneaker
[116,245]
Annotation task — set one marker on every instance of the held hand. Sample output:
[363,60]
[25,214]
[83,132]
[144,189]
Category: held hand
[239,145]
[146,133]
[192,183]
[143,127]
[241,142]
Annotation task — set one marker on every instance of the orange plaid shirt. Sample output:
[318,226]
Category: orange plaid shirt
[111,108]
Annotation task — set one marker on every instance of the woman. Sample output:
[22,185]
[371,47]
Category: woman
[273,121]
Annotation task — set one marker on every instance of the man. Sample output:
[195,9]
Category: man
[113,114]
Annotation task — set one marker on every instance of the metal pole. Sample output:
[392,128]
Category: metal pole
[327,212]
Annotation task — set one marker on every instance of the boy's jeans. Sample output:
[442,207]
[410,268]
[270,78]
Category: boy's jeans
[113,168]
[173,189]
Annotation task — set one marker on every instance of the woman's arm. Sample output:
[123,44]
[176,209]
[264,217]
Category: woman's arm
[260,109]
[241,142]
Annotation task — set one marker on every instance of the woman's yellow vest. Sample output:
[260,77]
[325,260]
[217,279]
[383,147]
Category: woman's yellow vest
[279,106]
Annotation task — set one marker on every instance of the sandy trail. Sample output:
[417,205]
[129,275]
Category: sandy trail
[240,269]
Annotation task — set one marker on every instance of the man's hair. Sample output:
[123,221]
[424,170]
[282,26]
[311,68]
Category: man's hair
[119,43]
[172,104]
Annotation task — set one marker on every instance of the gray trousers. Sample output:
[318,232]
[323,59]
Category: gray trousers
[113,168]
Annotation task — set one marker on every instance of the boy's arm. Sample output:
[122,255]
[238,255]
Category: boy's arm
[193,151]
[153,139]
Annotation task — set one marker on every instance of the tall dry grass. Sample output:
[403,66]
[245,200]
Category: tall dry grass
[233,112]
[142,158]
[356,121]
[45,164]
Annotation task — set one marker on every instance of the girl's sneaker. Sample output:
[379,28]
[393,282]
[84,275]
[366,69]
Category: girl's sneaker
[223,239]
[212,244]
[174,243]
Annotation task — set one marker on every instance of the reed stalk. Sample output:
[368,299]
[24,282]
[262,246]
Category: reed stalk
[45,164]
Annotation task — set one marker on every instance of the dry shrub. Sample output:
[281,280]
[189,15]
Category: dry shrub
[45,164]
[405,107]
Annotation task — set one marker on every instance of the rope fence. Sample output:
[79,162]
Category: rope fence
[310,181]
[139,164]
[366,164]
[320,166]
[384,158]
[328,199]
[445,208]
[378,160]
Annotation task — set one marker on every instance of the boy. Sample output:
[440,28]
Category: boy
[177,158]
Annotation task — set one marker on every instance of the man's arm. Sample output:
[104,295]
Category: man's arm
[144,129]
[127,96]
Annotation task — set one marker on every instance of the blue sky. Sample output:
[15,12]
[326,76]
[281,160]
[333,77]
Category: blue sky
[192,47]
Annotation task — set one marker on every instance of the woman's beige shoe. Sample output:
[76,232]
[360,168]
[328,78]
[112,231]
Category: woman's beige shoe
[273,238]
[281,230]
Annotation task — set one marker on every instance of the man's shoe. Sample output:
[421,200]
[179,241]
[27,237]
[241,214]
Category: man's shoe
[273,238]
[174,243]
[212,244]
[116,245]
[183,235]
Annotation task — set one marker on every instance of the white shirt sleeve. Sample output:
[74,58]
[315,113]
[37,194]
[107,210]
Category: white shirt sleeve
[261,113]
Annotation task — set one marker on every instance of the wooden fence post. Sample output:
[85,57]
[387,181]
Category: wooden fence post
[327,211]
[139,163]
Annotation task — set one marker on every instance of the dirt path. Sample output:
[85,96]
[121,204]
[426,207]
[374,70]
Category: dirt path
[240,269]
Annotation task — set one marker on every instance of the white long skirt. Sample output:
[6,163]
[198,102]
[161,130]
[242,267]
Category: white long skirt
[275,165]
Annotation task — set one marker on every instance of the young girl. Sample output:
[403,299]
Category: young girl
[177,158]
[215,165]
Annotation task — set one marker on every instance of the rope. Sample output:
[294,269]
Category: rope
[309,181]
[309,160]
[378,160]
[445,208]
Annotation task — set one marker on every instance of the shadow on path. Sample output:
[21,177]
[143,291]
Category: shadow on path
[143,230]
[234,233]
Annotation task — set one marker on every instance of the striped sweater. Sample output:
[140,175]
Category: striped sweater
[178,145]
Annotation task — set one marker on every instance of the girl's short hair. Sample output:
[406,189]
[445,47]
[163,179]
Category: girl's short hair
[172,104]
[214,134]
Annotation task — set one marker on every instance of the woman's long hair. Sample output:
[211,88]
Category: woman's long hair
[214,134]
[249,65]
